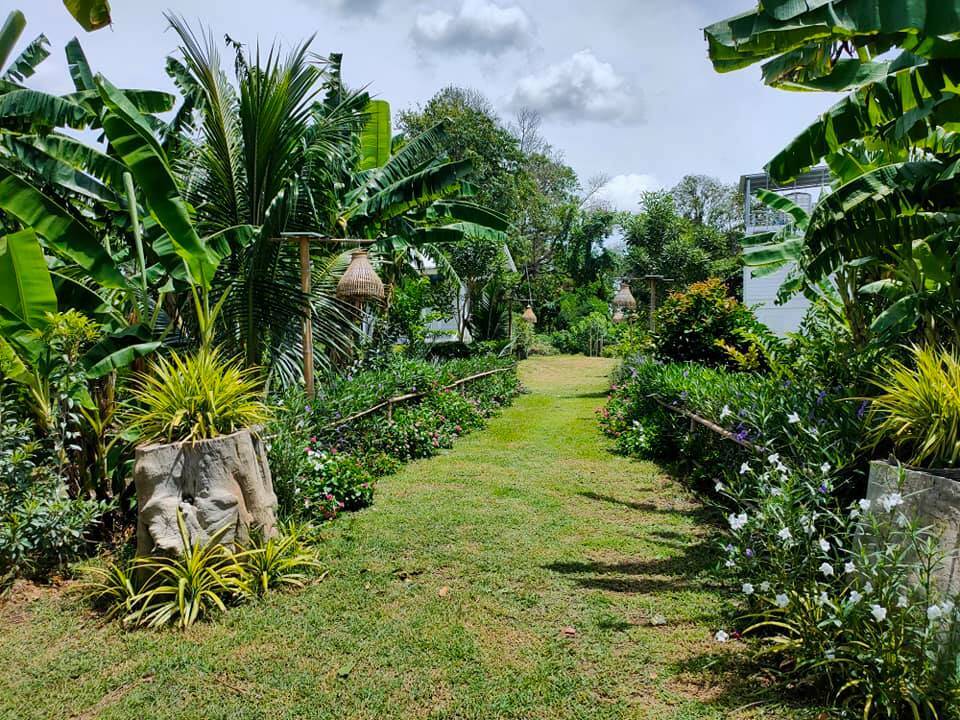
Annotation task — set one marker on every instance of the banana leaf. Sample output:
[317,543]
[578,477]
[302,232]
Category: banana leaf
[26,289]
[62,232]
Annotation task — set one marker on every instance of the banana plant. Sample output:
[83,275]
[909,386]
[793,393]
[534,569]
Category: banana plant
[892,217]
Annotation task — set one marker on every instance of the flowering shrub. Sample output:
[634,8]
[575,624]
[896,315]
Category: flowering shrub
[701,322]
[330,483]
[803,422]
[845,597]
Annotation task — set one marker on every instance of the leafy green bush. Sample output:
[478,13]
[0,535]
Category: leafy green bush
[195,397]
[588,335]
[703,324]
[42,528]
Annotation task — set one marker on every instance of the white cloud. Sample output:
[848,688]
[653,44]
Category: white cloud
[582,87]
[623,192]
[480,26]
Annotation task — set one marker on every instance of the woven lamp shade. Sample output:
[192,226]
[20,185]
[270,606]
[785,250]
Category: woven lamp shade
[529,316]
[624,298]
[618,316]
[360,283]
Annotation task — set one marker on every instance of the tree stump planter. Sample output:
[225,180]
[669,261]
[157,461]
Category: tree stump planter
[223,482]
[933,497]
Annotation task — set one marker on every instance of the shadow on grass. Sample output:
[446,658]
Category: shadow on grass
[597,395]
[737,683]
[684,571]
[699,514]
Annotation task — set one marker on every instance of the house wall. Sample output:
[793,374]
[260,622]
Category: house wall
[761,295]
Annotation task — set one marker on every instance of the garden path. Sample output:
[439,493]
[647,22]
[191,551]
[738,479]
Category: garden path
[528,573]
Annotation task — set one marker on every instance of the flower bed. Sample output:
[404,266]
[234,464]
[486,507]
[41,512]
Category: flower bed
[325,463]
[838,591]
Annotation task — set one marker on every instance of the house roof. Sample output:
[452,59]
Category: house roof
[816,178]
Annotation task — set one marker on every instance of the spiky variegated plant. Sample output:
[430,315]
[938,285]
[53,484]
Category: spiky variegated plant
[891,143]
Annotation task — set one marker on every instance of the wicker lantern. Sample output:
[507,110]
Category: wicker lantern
[360,283]
[529,316]
[624,299]
[618,316]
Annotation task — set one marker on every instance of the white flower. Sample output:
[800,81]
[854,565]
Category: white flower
[849,568]
[902,520]
[824,598]
[879,613]
[825,468]
[827,569]
[774,459]
[864,505]
[718,487]
[721,637]
[934,613]
[782,601]
[747,589]
[868,588]
[902,601]
[737,522]
[854,513]
[725,412]
[730,564]
[889,502]
[764,586]
[785,534]
[793,418]
[824,544]
[776,492]
[745,468]
[947,607]
[855,597]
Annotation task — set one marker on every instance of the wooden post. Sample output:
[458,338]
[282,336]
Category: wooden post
[653,304]
[305,286]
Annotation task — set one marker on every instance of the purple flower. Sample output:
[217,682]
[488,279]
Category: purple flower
[863,409]
[308,408]
[823,488]
[821,396]
[749,552]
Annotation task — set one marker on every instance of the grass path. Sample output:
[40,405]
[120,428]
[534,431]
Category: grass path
[528,573]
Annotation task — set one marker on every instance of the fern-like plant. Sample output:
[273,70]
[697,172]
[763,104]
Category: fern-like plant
[181,590]
[195,397]
[918,409]
[284,561]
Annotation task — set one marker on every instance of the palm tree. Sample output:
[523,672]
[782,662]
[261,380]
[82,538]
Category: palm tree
[285,146]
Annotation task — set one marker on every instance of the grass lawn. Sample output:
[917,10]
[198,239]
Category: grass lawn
[528,573]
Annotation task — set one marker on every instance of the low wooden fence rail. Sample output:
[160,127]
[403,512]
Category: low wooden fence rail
[389,404]
[712,426]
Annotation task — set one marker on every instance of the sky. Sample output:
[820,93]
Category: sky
[624,86]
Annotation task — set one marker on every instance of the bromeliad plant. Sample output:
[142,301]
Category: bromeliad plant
[206,577]
[918,408]
[196,397]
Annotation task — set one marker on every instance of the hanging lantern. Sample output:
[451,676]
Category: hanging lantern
[624,299]
[360,283]
[618,316]
[529,316]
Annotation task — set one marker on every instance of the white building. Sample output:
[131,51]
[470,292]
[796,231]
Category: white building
[761,293]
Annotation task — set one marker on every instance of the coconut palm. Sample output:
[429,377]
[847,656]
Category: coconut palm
[284,146]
